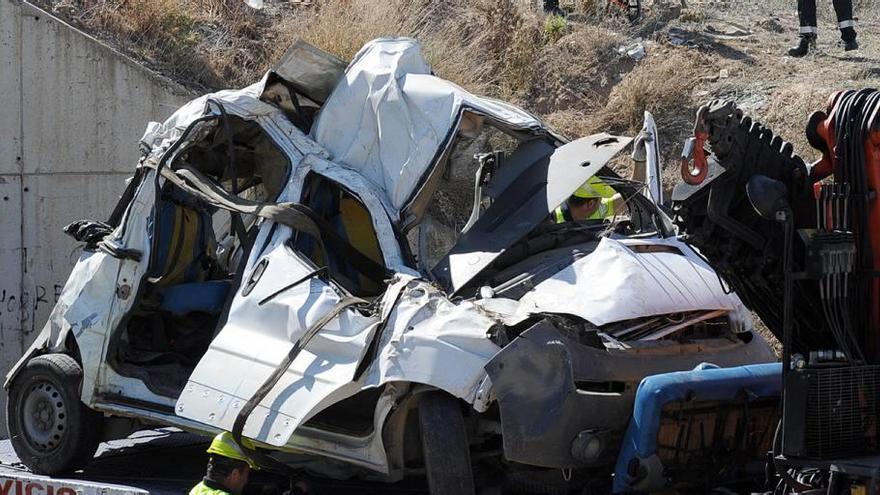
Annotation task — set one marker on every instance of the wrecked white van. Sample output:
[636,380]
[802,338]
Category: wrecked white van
[367,282]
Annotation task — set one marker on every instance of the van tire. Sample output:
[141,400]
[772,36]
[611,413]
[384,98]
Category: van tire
[51,430]
[445,446]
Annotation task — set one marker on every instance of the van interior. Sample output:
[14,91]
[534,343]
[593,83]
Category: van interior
[200,251]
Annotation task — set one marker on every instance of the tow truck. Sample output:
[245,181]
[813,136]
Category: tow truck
[800,244]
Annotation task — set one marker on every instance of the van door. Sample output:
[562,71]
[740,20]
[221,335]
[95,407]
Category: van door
[103,286]
[285,306]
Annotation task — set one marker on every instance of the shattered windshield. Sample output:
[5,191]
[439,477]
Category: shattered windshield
[484,161]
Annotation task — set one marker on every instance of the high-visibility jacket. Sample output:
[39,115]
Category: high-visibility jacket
[605,210]
[203,489]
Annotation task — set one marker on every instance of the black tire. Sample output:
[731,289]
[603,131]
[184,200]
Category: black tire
[445,446]
[51,430]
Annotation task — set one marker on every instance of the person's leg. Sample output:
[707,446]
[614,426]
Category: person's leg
[807,17]
[844,11]
[808,28]
[551,5]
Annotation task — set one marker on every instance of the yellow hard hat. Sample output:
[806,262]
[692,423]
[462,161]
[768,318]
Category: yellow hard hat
[594,188]
[224,444]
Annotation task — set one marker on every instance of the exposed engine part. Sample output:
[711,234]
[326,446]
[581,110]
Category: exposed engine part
[695,324]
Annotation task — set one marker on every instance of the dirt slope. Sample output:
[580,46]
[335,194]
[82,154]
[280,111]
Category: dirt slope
[574,73]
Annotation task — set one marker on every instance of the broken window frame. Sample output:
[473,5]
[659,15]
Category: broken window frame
[341,284]
[194,133]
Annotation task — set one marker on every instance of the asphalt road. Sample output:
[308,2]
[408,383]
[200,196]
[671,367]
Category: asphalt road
[161,461]
[168,461]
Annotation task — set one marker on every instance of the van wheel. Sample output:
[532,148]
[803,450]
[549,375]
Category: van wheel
[445,445]
[51,430]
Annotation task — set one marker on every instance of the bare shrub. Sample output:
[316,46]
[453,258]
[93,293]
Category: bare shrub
[661,85]
[342,26]
[576,72]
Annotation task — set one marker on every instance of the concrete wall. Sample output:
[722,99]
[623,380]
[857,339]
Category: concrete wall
[71,113]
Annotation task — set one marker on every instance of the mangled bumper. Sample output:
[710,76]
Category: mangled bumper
[566,405]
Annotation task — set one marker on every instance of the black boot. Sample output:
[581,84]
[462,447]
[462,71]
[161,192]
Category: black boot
[805,43]
[848,39]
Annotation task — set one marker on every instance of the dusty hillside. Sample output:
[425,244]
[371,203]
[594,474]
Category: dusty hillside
[574,73]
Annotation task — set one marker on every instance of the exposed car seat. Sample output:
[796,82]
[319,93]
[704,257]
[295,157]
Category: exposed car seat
[185,250]
[204,297]
[184,241]
[351,221]
[173,325]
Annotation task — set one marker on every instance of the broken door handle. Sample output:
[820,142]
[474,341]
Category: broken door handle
[120,252]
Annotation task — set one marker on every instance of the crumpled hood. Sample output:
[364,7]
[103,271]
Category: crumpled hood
[630,278]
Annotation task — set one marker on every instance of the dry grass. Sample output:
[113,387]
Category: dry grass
[341,26]
[561,69]
[567,71]
[787,111]
[661,85]
[203,44]
[485,46]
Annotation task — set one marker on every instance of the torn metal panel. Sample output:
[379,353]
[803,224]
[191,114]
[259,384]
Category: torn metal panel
[649,139]
[431,340]
[523,205]
[263,326]
[368,451]
[550,389]
[628,278]
[244,103]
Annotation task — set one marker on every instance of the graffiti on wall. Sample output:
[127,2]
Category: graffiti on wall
[25,304]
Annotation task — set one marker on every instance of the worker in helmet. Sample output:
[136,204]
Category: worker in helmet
[228,467]
[594,200]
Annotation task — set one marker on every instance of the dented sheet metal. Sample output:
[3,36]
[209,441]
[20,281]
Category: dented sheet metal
[264,324]
[244,103]
[625,279]
[423,334]
[431,340]
[390,116]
